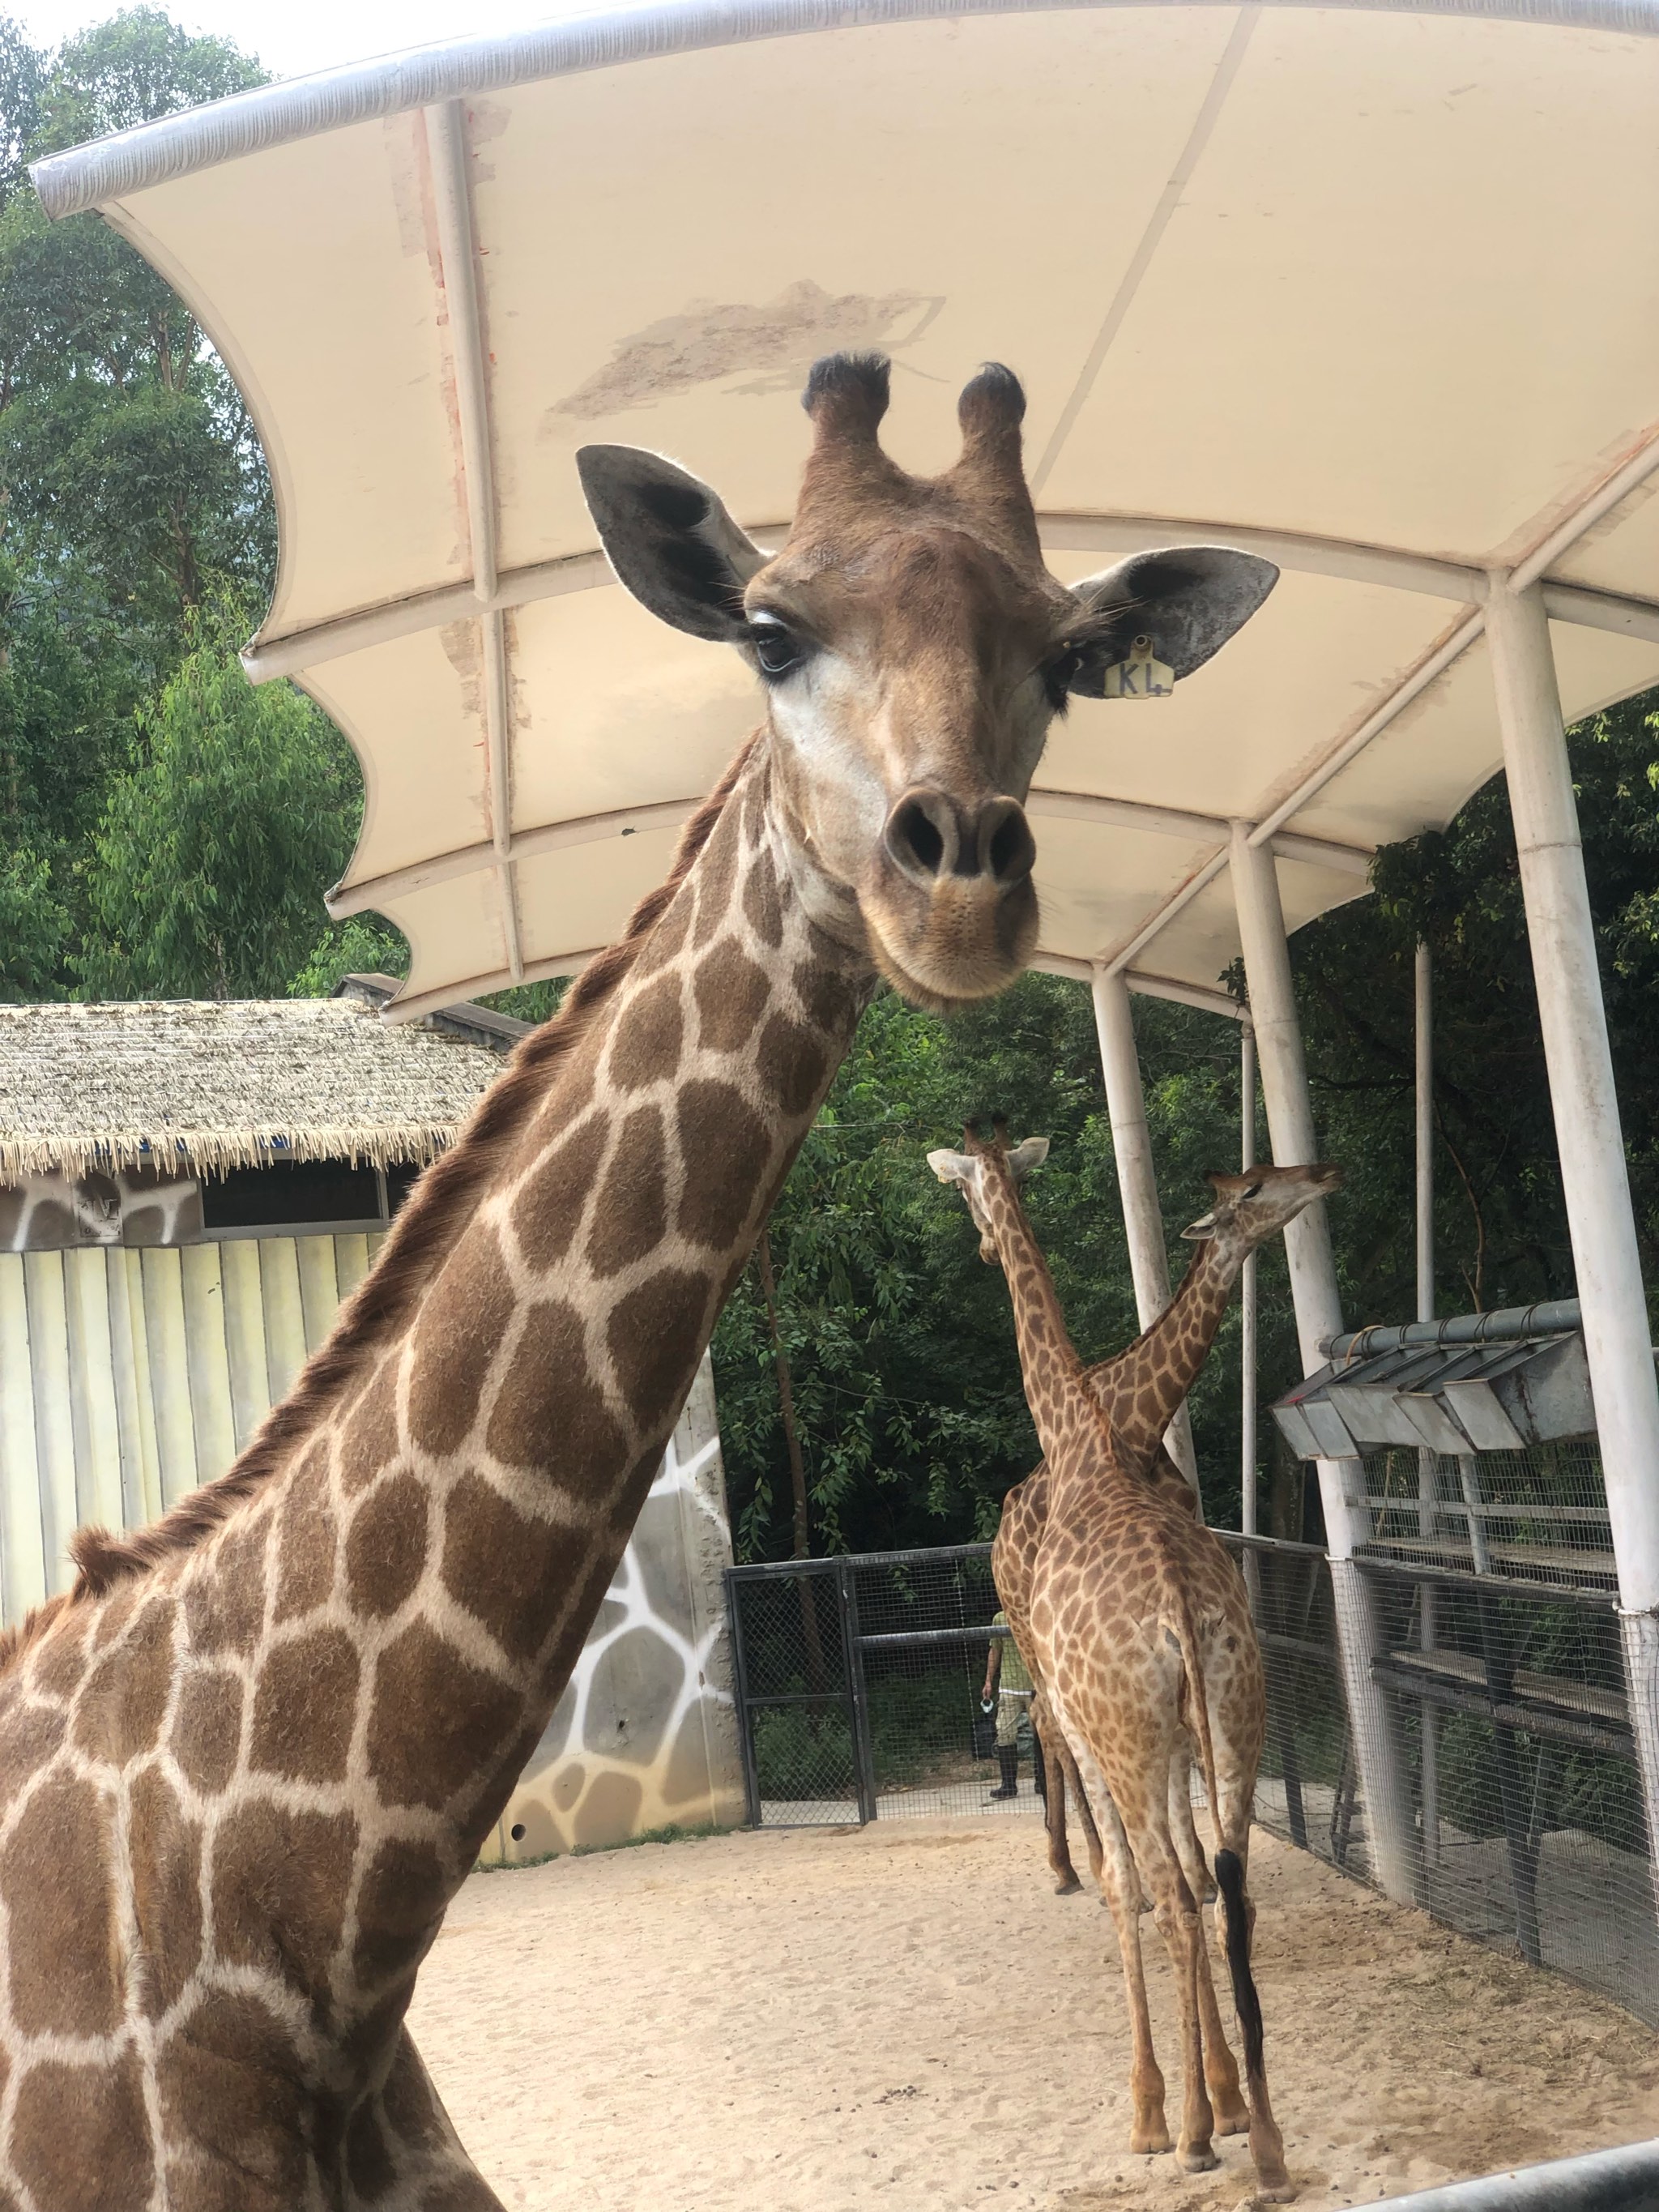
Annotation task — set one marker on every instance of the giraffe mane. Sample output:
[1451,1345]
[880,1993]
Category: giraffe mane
[437,1210]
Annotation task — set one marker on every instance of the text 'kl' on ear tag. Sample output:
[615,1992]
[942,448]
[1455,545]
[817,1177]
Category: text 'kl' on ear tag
[1139,677]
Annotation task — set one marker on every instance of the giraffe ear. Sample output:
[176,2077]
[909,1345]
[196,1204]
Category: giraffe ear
[1202,1230]
[1027,1156]
[669,540]
[952,1167]
[1187,599]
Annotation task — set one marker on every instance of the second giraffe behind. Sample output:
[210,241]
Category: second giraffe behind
[1144,1644]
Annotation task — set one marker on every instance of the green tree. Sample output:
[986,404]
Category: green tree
[236,805]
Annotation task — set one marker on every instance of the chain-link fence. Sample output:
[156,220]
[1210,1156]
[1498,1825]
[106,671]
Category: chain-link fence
[859,1686]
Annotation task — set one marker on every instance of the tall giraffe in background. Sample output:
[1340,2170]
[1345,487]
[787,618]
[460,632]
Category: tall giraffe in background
[246,1762]
[1142,1638]
[1138,1391]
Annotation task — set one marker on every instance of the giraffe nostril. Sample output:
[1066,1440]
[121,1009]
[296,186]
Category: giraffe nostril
[914,838]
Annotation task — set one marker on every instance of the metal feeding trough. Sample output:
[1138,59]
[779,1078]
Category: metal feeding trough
[1483,1383]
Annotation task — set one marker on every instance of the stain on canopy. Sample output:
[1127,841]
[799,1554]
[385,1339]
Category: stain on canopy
[1374,291]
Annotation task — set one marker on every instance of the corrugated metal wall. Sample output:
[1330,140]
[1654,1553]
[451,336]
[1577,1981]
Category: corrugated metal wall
[127,1377]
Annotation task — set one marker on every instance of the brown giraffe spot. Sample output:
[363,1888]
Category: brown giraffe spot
[791,1063]
[64,1941]
[501,1565]
[207,1728]
[79,2136]
[437,1720]
[61,1656]
[31,1734]
[400,1902]
[407,2098]
[280,1880]
[230,2089]
[548,1209]
[112,1616]
[462,1320]
[731,991]
[761,899]
[224,1590]
[371,1430]
[631,1215]
[827,996]
[304,1540]
[550,1412]
[655,1334]
[716,875]
[726,1146]
[119,1713]
[669,935]
[369,2167]
[304,1706]
[645,1043]
[165,1851]
[386,1548]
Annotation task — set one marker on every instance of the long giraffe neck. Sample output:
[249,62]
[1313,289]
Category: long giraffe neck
[1141,1390]
[349,1672]
[1052,1372]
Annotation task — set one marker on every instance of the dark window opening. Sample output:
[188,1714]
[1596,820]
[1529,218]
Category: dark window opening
[291,1191]
[399,1182]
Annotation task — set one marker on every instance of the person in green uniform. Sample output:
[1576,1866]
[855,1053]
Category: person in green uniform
[1007,1682]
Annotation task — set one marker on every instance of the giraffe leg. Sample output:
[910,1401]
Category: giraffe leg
[1232,2114]
[404,2154]
[1056,1761]
[1120,1882]
[1236,1923]
[1176,1911]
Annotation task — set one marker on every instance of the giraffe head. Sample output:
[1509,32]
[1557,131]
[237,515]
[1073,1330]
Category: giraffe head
[974,1170]
[1252,1206]
[913,650]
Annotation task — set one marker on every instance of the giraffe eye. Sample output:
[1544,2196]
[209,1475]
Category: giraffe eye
[1255,1191]
[776,649]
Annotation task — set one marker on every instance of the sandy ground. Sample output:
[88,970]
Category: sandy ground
[908,2016]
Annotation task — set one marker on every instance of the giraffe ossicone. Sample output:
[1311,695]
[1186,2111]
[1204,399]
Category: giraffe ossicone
[1136,1630]
[246,1762]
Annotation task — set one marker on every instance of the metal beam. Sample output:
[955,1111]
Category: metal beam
[410,1006]
[364,627]
[1179,821]
[1200,879]
[1348,749]
[1613,488]
[467,859]
[451,183]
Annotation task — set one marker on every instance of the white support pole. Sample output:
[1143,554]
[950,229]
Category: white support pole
[1131,1147]
[1611,1296]
[1427,1480]
[1248,1514]
[1319,1315]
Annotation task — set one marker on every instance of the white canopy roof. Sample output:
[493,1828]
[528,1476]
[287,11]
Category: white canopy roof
[1373,291]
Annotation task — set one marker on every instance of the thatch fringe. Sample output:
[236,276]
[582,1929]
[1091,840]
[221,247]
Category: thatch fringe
[199,1087]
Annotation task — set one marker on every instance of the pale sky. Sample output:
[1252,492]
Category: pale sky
[293,37]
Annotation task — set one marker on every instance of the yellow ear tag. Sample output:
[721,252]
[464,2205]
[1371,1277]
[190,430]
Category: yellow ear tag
[1139,677]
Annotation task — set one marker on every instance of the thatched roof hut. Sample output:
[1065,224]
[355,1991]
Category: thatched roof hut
[205,1087]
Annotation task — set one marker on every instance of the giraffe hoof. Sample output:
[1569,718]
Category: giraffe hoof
[1148,2142]
[1194,2158]
[1230,2120]
[1067,1886]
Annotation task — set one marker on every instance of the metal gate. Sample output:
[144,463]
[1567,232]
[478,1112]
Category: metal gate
[858,1682]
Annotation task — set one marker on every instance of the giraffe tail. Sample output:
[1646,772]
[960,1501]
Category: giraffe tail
[1230,1880]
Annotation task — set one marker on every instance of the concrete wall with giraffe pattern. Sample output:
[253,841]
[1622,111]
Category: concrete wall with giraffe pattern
[128,1375]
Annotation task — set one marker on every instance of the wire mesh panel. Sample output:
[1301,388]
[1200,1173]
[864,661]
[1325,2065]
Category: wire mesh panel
[1538,1515]
[923,1623]
[795,1694]
[1507,1698]
[1509,1703]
